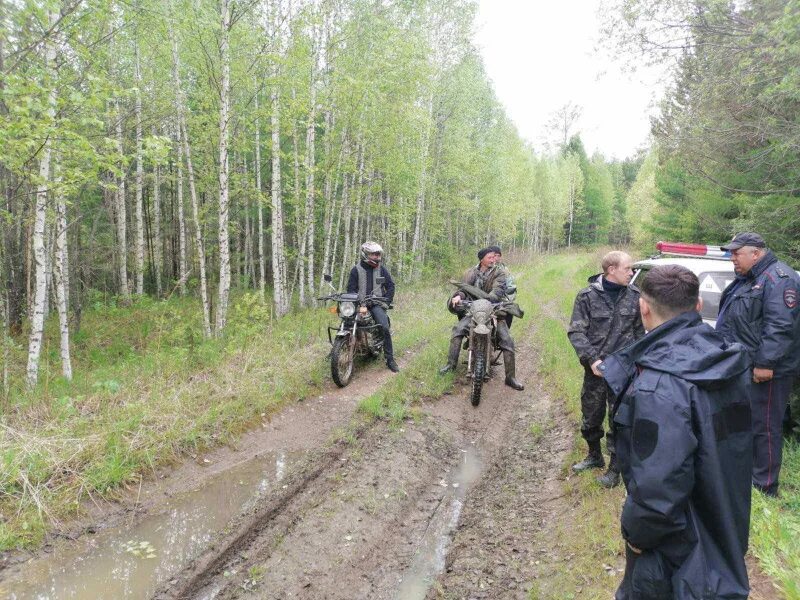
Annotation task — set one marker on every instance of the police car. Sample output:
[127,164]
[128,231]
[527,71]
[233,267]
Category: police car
[711,264]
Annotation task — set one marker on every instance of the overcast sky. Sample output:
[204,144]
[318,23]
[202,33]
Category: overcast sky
[541,54]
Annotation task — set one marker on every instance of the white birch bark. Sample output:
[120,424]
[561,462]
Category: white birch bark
[61,279]
[139,181]
[309,240]
[262,266]
[280,298]
[198,231]
[416,243]
[181,214]
[39,224]
[224,244]
[121,212]
[158,243]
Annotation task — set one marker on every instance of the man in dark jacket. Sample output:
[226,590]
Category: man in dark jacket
[490,278]
[761,310]
[364,281]
[684,446]
[605,319]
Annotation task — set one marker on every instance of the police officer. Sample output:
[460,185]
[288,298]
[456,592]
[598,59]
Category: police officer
[363,281]
[684,446]
[760,310]
[492,279]
[605,318]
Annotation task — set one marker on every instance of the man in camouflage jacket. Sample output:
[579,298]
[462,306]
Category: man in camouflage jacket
[605,319]
[492,279]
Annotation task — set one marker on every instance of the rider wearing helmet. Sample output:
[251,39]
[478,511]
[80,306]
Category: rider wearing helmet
[364,282]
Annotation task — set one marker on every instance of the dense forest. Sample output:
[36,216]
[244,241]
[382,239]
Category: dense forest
[208,147]
[726,144]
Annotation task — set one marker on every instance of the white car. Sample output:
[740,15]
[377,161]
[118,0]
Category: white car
[711,264]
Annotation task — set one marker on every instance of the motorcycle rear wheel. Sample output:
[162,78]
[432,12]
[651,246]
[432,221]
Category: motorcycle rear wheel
[341,361]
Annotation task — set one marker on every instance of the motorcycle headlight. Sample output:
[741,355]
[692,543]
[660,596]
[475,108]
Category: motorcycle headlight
[347,309]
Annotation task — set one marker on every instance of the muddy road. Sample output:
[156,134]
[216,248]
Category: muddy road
[456,502]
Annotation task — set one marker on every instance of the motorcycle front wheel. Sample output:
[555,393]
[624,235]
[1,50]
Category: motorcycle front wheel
[341,360]
[479,359]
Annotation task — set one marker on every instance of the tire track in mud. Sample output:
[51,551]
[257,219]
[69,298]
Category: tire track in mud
[356,521]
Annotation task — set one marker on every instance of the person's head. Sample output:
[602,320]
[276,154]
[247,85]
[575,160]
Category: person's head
[487,257]
[617,267]
[666,292]
[371,253]
[498,253]
[746,250]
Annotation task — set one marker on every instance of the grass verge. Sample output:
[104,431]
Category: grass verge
[586,542]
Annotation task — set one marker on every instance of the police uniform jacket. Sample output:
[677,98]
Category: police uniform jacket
[599,326]
[761,310]
[684,447]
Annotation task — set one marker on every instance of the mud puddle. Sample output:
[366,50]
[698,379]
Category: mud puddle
[429,561]
[131,561]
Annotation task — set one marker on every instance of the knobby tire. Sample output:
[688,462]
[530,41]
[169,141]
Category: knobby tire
[479,371]
[341,363]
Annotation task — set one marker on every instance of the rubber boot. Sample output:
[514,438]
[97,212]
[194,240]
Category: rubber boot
[610,478]
[392,365]
[452,355]
[593,460]
[511,371]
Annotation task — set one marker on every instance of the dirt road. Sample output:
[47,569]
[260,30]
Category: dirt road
[457,502]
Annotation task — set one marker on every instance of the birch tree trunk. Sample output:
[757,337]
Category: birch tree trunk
[40,220]
[278,247]
[198,232]
[262,268]
[181,214]
[158,243]
[121,212]
[224,247]
[416,243]
[139,181]
[310,167]
[61,279]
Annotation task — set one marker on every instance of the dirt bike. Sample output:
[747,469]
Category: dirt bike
[357,334]
[482,341]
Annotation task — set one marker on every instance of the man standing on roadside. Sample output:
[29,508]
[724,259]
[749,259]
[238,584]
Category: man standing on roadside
[605,319]
[759,309]
[684,445]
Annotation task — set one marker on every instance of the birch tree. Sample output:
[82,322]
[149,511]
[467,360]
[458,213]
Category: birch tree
[224,116]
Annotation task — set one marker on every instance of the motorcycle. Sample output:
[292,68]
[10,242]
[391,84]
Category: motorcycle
[357,334]
[482,341]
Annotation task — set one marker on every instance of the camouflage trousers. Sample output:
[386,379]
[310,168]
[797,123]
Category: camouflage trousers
[597,400]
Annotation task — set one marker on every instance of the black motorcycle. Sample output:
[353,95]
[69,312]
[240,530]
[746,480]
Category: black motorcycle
[482,342]
[357,334]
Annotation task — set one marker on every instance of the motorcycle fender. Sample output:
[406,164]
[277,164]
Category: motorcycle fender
[482,329]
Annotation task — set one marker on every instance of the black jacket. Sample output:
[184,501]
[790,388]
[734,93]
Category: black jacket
[388,283]
[684,447]
[761,310]
[600,326]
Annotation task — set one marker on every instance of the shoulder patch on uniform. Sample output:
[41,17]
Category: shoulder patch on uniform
[790,297]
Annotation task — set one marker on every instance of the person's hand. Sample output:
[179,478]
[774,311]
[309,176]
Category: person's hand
[595,368]
[761,375]
[633,548]
[362,310]
[455,301]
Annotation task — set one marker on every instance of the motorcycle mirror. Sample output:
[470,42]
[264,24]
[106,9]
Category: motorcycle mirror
[327,277]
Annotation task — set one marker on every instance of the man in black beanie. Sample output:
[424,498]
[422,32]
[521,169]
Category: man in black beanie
[490,278]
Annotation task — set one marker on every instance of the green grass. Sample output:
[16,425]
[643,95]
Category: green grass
[149,390]
[589,532]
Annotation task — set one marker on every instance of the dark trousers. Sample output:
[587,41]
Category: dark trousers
[647,576]
[503,334]
[596,400]
[768,406]
[382,319]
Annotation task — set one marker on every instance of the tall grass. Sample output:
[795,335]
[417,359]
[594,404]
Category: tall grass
[149,390]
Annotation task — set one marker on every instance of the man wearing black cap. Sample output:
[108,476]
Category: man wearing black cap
[760,310]
[487,276]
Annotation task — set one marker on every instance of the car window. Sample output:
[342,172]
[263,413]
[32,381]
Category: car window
[711,285]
